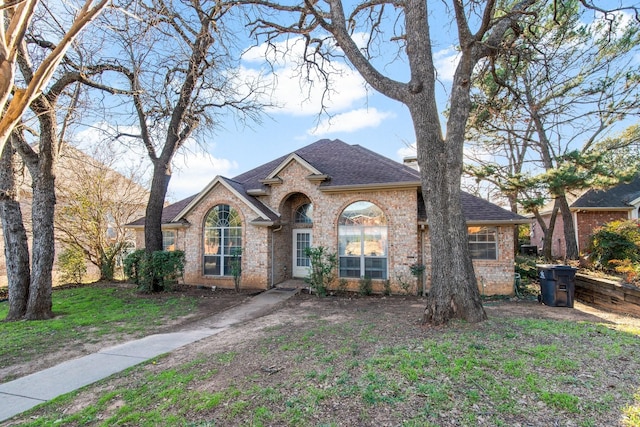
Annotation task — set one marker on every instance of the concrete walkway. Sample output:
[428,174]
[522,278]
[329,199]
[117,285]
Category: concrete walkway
[24,393]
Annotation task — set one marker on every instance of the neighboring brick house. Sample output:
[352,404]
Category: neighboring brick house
[363,206]
[589,211]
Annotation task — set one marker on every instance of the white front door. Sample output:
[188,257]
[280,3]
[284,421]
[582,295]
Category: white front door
[301,241]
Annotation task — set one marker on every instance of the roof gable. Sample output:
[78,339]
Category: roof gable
[263,212]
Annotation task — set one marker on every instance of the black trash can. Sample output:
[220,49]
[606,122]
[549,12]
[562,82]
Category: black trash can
[557,284]
[528,250]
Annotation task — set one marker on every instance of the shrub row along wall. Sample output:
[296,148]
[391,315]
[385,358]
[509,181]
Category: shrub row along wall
[607,294]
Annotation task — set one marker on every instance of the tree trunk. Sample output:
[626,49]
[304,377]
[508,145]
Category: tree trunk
[454,290]
[43,209]
[157,194]
[153,221]
[16,249]
[570,243]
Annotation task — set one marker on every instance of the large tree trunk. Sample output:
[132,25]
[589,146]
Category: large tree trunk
[454,290]
[157,194]
[42,171]
[16,249]
[570,242]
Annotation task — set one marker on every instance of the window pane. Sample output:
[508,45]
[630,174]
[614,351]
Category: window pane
[375,241]
[304,213]
[169,240]
[350,240]
[350,267]
[375,268]
[212,265]
[212,241]
[362,213]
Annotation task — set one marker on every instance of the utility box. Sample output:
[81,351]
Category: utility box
[557,284]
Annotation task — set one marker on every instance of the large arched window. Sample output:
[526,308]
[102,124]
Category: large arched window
[222,240]
[362,241]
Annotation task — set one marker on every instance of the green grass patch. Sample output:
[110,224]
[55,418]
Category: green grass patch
[87,314]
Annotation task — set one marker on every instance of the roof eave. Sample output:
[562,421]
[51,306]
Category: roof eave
[369,187]
[603,208]
[491,222]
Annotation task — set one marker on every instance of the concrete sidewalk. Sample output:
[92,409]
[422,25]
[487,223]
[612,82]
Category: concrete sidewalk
[24,393]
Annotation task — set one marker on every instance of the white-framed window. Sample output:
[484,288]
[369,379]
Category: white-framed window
[362,241]
[483,242]
[169,240]
[222,240]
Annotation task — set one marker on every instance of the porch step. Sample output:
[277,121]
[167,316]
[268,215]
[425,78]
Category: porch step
[292,284]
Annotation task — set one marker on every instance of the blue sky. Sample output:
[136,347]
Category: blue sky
[358,116]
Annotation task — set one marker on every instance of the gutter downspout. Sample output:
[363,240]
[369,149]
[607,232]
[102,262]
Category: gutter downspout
[273,231]
[422,261]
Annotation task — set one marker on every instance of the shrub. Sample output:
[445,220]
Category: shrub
[323,268]
[387,287]
[72,265]
[236,267]
[616,245]
[156,272]
[366,286]
[525,266]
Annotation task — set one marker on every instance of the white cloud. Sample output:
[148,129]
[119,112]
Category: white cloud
[446,61]
[351,121]
[407,151]
[294,91]
[194,168]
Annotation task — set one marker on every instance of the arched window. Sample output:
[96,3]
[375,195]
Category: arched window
[222,240]
[304,214]
[362,241]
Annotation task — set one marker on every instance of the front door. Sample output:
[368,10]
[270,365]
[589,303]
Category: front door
[301,241]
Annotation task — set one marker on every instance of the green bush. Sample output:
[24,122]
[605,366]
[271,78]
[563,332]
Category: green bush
[526,267]
[614,242]
[131,265]
[323,269]
[156,272]
[72,265]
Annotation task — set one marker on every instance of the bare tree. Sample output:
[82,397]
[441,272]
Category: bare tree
[94,204]
[16,17]
[41,164]
[181,71]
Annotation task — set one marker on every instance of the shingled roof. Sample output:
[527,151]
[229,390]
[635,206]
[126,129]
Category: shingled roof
[618,196]
[345,166]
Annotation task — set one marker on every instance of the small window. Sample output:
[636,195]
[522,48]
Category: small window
[169,240]
[483,242]
[304,214]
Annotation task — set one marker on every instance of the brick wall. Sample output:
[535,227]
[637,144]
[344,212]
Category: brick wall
[495,277]
[588,221]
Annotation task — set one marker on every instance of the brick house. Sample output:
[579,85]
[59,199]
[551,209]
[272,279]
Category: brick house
[591,210]
[365,207]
